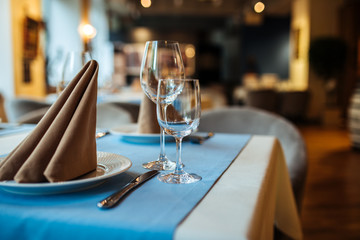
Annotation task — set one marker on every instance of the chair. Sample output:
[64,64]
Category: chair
[109,115]
[32,117]
[132,108]
[113,114]
[23,110]
[254,121]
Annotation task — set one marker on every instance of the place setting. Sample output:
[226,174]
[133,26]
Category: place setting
[60,155]
[132,188]
[177,120]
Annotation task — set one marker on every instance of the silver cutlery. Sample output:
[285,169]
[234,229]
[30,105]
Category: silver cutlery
[101,134]
[115,198]
[199,139]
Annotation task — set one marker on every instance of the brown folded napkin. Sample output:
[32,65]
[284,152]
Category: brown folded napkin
[147,120]
[63,144]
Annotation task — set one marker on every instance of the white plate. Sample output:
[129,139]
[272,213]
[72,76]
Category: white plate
[109,165]
[129,133]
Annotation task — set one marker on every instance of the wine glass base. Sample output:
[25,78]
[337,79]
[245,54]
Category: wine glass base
[179,178]
[160,165]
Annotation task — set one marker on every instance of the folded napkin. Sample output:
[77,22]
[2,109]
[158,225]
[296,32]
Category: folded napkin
[63,144]
[147,120]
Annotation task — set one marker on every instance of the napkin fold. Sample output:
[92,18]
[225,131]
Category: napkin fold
[147,120]
[63,145]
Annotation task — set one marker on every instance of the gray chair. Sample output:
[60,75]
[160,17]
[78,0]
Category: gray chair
[254,121]
[132,108]
[109,114]
[33,117]
[23,110]
[113,114]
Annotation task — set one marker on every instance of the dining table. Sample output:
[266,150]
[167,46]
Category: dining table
[244,193]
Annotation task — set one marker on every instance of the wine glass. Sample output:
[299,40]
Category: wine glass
[178,113]
[74,61]
[161,60]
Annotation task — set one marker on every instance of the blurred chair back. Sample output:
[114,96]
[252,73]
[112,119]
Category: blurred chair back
[26,110]
[265,99]
[114,114]
[109,115]
[132,108]
[3,116]
[254,121]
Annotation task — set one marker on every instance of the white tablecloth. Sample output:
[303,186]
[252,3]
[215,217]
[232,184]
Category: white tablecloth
[249,198]
[253,194]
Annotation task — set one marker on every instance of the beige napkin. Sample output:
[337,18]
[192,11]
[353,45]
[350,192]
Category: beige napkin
[147,120]
[63,144]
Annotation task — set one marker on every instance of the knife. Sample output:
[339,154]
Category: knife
[101,134]
[199,138]
[113,199]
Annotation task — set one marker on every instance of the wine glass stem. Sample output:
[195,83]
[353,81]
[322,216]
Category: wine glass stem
[162,156]
[179,166]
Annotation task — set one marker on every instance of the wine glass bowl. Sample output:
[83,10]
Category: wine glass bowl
[161,60]
[73,63]
[178,113]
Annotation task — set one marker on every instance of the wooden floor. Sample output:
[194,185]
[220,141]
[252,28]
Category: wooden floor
[331,207]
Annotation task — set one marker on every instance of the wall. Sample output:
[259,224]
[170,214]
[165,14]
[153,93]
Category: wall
[103,48]
[268,44]
[37,86]
[311,19]
[324,16]
[63,18]
[6,58]
[300,39]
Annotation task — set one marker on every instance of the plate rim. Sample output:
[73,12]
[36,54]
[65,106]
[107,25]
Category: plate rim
[147,137]
[95,179]
[132,133]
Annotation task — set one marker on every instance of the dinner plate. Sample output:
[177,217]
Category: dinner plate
[129,133]
[109,165]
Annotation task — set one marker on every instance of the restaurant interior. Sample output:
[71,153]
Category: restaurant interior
[298,60]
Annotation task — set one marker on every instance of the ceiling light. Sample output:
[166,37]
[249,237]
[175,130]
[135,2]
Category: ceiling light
[87,31]
[146,3]
[190,51]
[259,7]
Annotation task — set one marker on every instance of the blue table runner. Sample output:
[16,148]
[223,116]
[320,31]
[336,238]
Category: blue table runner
[152,211]
[13,129]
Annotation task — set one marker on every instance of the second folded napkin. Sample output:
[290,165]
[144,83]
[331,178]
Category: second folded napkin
[147,120]
[63,145]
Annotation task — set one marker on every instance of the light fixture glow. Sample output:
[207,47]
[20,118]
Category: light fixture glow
[146,3]
[259,7]
[190,51]
[178,3]
[87,31]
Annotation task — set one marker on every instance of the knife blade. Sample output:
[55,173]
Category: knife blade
[115,198]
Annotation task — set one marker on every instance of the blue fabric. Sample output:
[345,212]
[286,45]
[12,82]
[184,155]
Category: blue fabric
[152,211]
[15,129]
